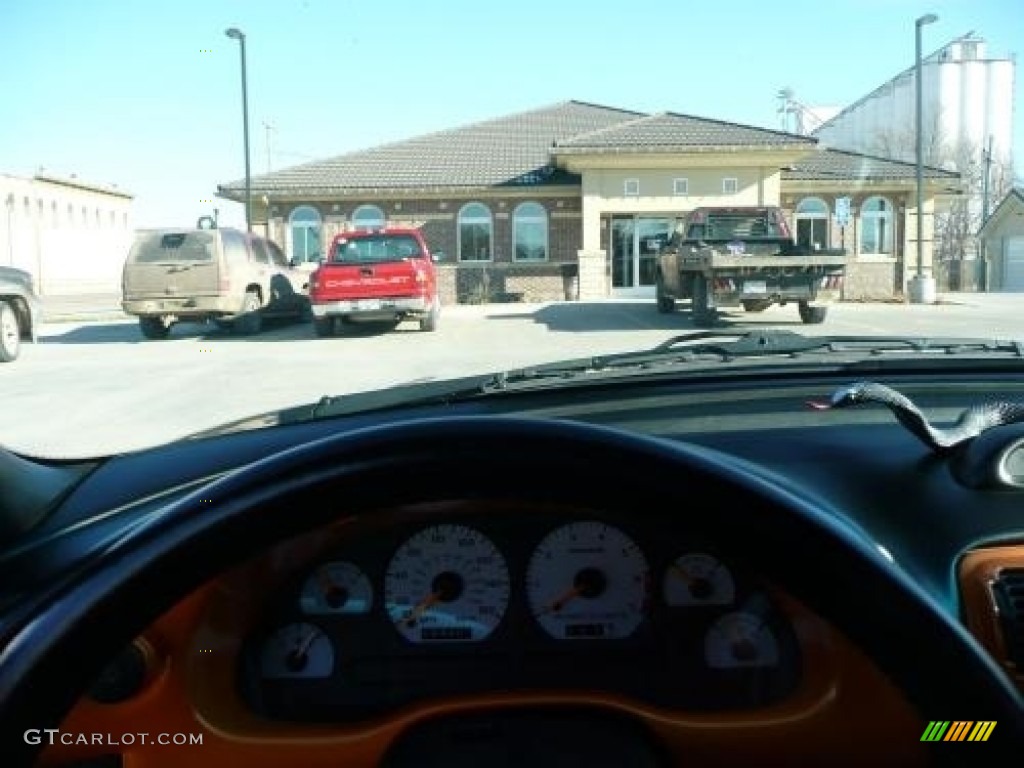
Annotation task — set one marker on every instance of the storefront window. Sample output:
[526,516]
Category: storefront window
[530,226]
[876,224]
[305,229]
[812,223]
[476,233]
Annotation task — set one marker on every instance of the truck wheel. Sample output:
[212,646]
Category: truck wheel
[429,322]
[703,313]
[756,306]
[323,326]
[10,333]
[250,322]
[666,304]
[154,328]
[812,315]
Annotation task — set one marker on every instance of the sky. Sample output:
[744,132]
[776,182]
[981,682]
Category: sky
[147,95]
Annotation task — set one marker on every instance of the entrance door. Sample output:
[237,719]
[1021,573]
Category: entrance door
[636,241]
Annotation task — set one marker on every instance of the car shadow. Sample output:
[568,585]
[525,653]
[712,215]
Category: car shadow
[602,316]
[127,332]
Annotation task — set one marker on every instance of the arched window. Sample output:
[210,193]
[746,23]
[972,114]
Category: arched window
[530,232]
[876,225]
[812,223]
[368,217]
[476,233]
[304,223]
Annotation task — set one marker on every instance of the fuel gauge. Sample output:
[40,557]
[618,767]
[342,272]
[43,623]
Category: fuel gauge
[336,588]
[297,650]
[698,579]
[740,640]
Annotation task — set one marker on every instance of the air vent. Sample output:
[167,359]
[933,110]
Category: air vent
[1008,590]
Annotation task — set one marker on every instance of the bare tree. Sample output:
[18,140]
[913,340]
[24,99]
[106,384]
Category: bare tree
[958,220]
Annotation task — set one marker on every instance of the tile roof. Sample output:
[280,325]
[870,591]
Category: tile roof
[841,165]
[513,150]
[671,132]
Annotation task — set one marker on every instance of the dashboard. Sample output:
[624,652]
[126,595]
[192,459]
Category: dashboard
[347,633]
[376,616]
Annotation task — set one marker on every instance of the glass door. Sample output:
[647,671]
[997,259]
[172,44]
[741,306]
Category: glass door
[636,241]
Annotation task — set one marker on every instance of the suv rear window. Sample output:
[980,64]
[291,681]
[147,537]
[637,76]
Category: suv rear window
[375,248]
[154,247]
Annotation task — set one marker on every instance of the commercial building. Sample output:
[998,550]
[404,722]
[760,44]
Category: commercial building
[518,202]
[70,235]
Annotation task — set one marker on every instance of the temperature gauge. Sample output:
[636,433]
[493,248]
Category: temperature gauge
[740,640]
[297,650]
[698,579]
[339,587]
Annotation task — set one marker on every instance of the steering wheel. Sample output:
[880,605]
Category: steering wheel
[66,636]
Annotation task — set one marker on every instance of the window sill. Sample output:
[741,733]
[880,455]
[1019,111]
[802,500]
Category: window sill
[876,258]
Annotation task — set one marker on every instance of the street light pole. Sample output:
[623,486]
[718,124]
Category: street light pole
[238,35]
[922,289]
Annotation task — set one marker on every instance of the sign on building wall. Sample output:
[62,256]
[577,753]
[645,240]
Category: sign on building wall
[843,211]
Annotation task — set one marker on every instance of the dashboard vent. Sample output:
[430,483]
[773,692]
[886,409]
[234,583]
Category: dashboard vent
[1008,590]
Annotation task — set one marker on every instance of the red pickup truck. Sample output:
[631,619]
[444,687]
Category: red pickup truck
[377,275]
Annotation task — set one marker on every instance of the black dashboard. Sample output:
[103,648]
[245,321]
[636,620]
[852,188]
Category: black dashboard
[365,621]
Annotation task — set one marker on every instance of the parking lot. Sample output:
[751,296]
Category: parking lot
[98,386]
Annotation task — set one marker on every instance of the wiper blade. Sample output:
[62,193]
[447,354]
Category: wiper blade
[726,346]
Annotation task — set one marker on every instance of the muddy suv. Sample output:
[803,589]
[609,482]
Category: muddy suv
[199,275]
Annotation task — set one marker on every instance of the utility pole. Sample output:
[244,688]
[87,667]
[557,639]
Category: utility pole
[986,157]
[268,128]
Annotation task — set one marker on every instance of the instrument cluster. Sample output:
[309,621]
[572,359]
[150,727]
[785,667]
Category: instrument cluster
[497,603]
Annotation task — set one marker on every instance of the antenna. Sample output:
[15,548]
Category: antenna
[268,128]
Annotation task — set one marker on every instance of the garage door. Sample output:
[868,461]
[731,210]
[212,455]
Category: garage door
[1013,264]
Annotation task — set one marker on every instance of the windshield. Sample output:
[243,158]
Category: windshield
[181,181]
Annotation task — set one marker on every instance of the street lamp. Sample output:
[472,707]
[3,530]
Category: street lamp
[922,289]
[237,34]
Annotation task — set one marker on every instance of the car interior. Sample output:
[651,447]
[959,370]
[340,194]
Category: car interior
[670,569]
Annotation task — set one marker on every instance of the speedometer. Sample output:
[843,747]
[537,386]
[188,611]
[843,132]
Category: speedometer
[446,583]
[588,580]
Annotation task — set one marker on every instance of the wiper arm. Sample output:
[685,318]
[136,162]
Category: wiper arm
[726,346]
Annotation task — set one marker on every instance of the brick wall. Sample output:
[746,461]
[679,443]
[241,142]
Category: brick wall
[502,278]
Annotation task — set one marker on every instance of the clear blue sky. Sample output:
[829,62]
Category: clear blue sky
[146,94]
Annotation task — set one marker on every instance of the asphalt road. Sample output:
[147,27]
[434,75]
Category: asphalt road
[90,388]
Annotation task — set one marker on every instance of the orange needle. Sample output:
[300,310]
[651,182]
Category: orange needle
[326,583]
[559,603]
[681,573]
[422,606]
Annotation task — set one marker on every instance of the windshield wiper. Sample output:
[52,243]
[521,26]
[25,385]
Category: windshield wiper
[725,347]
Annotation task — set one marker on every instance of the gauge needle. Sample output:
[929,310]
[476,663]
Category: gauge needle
[558,604]
[679,571]
[302,648]
[326,583]
[420,607]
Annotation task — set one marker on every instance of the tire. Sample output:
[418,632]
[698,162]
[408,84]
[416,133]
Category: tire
[10,333]
[812,315]
[250,321]
[154,328]
[756,306]
[703,313]
[323,327]
[428,324]
[666,304]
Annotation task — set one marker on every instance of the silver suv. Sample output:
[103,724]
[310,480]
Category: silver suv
[197,275]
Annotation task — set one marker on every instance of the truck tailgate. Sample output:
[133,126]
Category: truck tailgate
[366,281]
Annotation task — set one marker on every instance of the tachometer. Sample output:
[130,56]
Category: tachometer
[337,587]
[588,580]
[446,583]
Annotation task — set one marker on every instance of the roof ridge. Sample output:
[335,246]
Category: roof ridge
[894,161]
[748,126]
[598,131]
